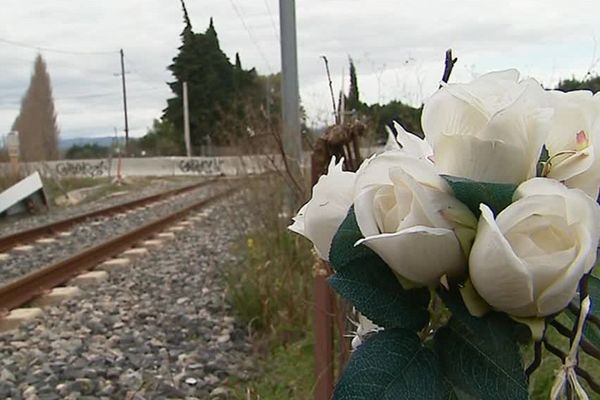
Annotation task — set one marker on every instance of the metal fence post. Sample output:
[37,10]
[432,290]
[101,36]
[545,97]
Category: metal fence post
[323,323]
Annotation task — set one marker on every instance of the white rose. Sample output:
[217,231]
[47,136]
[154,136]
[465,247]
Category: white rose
[375,170]
[319,219]
[529,260]
[489,130]
[574,134]
[413,222]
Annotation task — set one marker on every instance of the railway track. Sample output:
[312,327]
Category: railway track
[10,241]
[21,291]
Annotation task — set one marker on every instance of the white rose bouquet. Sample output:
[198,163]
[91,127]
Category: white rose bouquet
[460,247]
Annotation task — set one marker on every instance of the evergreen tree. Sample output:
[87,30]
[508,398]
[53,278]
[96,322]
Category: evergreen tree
[87,151]
[210,79]
[352,101]
[225,100]
[36,123]
[591,83]
[384,115]
[160,139]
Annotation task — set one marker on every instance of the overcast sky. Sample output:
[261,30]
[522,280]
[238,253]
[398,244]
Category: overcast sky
[398,48]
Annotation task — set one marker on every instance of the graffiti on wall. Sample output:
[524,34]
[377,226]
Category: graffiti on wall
[209,166]
[82,168]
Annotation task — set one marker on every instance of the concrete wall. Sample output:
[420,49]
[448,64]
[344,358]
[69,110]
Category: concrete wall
[162,166]
[159,166]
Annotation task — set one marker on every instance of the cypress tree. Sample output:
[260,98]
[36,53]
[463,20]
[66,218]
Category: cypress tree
[353,101]
[36,122]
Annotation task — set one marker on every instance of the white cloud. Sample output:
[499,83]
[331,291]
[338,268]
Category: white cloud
[398,48]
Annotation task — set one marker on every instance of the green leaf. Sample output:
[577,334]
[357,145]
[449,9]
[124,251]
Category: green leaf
[480,356]
[544,157]
[375,292]
[455,393]
[369,284]
[342,249]
[592,332]
[497,196]
[392,365]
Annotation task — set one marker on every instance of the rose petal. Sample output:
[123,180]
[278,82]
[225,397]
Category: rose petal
[559,294]
[391,144]
[364,213]
[498,275]
[412,144]
[374,171]
[445,114]
[298,225]
[573,112]
[482,160]
[319,219]
[490,92]
[420,254]
[539,186]
[576,206]
[545,205]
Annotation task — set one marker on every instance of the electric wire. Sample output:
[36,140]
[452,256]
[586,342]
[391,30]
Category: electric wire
[107,94]
[53,50]
[273,25]
[252,38]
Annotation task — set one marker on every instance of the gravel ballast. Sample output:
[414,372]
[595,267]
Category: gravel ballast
[18,223]
[96,230]
[157,329]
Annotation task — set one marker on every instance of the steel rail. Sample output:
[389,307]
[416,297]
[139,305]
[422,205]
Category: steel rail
[9,241]
[30,286]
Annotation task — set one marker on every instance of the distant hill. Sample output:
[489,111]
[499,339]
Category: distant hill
[105,141]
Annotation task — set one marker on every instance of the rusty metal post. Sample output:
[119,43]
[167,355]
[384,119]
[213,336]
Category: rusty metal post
[323,320]
[324,360]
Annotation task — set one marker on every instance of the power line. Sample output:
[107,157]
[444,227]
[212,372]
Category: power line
[254,41]
[143,78]
[52,50]
[107,94]
[273,25]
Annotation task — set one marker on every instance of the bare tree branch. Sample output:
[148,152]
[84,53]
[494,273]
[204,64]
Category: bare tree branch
[335,111]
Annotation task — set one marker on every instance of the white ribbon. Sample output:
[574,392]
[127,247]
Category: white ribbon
[566,374]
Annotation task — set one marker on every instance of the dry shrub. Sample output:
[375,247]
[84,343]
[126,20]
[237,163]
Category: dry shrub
[270,288]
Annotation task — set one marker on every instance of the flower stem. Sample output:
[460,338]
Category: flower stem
[591,318]
[586,346]
[548,164]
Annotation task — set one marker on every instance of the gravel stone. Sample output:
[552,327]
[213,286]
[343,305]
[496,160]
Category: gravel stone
[158,329]
[18,223]
[94,231]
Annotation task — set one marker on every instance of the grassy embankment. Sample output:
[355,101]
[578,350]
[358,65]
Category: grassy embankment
[271,292]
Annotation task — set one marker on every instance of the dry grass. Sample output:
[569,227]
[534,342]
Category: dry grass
[271,292]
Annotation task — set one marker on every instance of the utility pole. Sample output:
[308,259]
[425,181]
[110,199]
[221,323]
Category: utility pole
[186,121]
[292,141]
[268,99]
[125,103]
